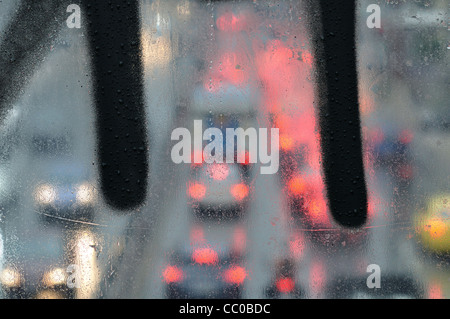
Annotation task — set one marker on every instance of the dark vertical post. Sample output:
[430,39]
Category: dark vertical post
[340,126]
[114,40]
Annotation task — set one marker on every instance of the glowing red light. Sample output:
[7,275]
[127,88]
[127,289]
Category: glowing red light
[285,285]
[286,142]
[235,275]
[172,274]
[317,210]
[197,191]
[297,186]
[232,68]
[197,154]
[435,291]
[230,22]
[307,57]
[205,256]
[239,191]
[247,158]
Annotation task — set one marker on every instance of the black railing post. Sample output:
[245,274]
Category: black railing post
[339,117]
[115,48]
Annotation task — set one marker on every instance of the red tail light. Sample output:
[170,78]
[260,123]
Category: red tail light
[197,191]
[235,275]
[239,191]
[205,256]
[317,210]
[372,207]
[246,158]
[285,285]
[172,274]
[297,186]
[286,142]
[307,58]
[435,291]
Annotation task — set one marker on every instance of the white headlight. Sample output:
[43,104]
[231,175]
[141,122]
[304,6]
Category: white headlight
[55,277]
[45,194]
[85,193]
[10,278]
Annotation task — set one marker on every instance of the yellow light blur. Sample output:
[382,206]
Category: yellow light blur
[286,142]
[436,228]
[10,278]
[45,194]
[85,193]
[86,260]
[55,277]
[157,51]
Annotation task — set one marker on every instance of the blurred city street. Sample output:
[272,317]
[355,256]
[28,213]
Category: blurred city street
[209,230]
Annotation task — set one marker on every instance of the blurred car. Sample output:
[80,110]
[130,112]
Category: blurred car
[391,149]
[65,191]
[203,271]
[390,145]
[222,105]
[218,190]
[54,263]
[35,267]
[304,188]
[432,225]
[284,283]
[305,192]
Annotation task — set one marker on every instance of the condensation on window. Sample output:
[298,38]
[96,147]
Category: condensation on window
[236,203]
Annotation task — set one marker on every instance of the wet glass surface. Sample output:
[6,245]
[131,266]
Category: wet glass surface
[233,208]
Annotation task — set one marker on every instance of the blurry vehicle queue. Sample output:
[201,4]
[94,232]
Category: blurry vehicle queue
[259,74]
[279,73]
[278,65]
